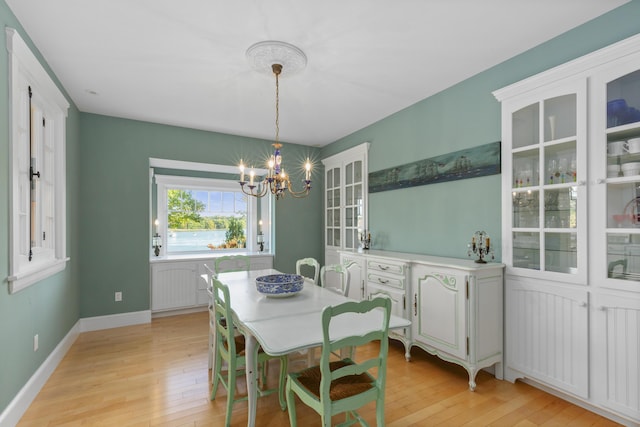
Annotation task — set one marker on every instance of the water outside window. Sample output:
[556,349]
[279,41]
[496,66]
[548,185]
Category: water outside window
[200,220]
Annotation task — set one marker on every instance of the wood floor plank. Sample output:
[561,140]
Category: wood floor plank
[157,375]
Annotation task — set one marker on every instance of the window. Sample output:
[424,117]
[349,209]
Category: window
[38,186]
[197,215]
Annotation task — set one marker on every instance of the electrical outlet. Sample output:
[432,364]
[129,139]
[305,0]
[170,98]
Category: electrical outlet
[118,296]
[35,342]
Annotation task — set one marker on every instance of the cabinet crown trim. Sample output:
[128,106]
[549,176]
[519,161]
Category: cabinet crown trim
[579,66]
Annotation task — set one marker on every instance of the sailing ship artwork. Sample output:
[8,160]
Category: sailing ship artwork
[473,162]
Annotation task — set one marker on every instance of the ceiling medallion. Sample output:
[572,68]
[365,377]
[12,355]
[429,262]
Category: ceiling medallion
[263,55]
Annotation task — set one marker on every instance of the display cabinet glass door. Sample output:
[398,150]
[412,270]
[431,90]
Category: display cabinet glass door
[622,154]
[546,152]
[353,204]
[332,203]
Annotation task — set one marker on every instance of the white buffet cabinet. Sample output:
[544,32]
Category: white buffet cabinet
[455,305]
[177,285]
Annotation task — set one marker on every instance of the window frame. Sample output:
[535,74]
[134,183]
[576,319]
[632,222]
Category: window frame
[166,182]
[48,103]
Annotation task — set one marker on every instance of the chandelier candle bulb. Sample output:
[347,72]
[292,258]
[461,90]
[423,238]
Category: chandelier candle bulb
[252,174]
[241,171]
[307,167]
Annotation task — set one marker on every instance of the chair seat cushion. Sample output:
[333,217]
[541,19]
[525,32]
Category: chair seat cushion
[240,345]
[340,388]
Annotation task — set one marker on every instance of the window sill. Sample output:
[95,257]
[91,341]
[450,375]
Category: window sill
[193,257]
[23,280]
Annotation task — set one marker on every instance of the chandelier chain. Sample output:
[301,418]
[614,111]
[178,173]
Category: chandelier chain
[277,107]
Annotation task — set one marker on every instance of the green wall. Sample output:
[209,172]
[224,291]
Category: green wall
[439,219]
[49,308]
[114,226]
[108,208]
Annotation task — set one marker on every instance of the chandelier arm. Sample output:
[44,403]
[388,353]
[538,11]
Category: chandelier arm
[260,193]
[301,193]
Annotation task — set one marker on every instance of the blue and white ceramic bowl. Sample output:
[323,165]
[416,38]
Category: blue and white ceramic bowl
[279,285]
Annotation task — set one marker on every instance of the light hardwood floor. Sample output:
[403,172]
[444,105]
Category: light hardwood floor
[156,375]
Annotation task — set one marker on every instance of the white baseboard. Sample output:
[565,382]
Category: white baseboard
[582,403]
[20,403]
[115,320]
[18,406]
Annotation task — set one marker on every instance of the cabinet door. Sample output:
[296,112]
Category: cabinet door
[547,334]
[440,310]
[617,364]
[616,165]
[173,285]
[345,208]
[544,183]
[398,302]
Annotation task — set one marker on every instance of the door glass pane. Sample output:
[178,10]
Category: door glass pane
[329,198]
[526,128]
[330,178]
[330,237]
[560,208]
[349,215]
[336,217]
[560,117]
[623,205]
[348,174]
[526,169]
[329,217]
[336,237]
[623,100]
[336,197]
[349,196]
[623,256]
[357,171]
[348,239]
[526,250]
[336,177]
[560,163]
[561,252]
[357,190]
[526,209]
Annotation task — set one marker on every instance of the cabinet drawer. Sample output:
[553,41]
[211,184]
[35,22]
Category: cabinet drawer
[386,280]
[386,266]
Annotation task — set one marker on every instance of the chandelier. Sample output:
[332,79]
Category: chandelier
[274,56]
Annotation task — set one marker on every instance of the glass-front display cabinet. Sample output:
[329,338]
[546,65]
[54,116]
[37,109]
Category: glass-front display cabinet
[547,158]
[622,154]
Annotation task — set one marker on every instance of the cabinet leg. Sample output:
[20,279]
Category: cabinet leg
[407,352]
[472,378]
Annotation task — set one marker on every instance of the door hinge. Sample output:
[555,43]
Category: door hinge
[43,122]
[404,302]
[44,235]
[467,284]
[467,346]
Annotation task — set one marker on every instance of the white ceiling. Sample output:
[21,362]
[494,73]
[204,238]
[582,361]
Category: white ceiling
[183,62]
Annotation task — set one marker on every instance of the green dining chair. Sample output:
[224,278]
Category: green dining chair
[310,263]
[230,348]
[343,386]
[339,270]
[229,263]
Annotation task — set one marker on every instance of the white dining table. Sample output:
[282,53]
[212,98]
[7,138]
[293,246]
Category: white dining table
[284,325]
